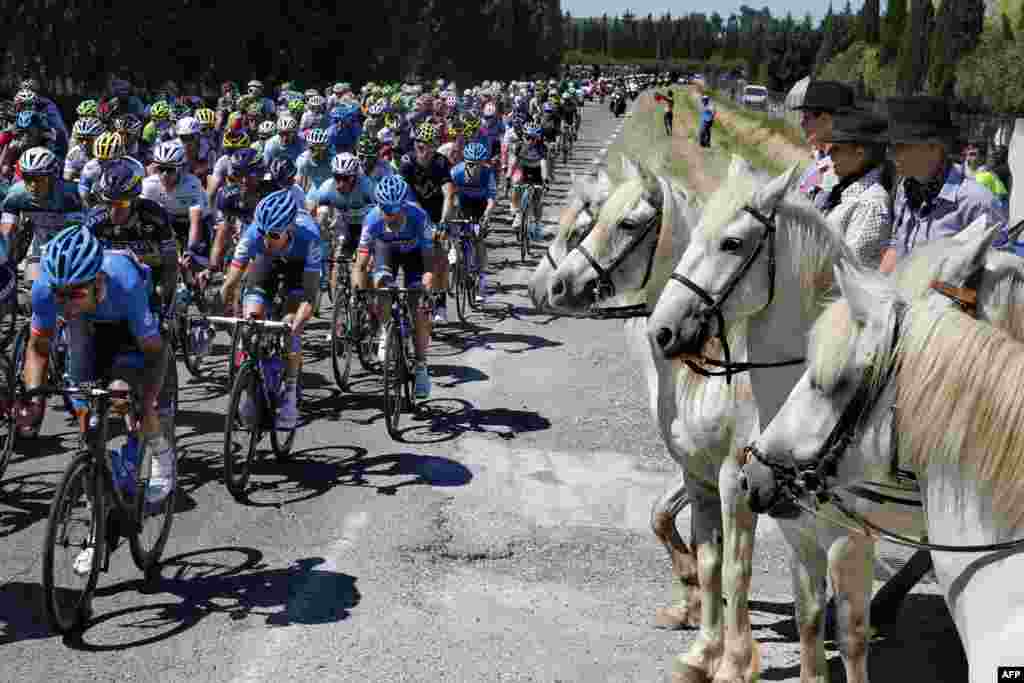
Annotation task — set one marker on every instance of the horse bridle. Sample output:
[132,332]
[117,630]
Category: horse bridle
[605,288]
[714,308]
[796,481]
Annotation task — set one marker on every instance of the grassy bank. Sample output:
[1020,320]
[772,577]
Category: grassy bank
[780,126]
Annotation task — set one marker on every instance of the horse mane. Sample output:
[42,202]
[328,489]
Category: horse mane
[581,191]
[815,245]
[964,376]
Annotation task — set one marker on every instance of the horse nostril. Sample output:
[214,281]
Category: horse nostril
[558,287]
[664,337]
[744,483]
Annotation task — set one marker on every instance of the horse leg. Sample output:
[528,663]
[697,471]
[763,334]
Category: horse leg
[705,654]
[685,608]
[851,569]
[742,661]
[809,566]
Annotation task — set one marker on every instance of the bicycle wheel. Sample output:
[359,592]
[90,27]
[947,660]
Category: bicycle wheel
[281,440]
[565,151]
[193,360]
[236,338]
[7,425]
[458,282]
[237,462]
[342,342]
[148,535]
[470,288]
[76,524]
[394,379]
[366,339]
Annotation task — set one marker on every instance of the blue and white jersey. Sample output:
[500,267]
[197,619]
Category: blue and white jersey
[303,247]
[416,232]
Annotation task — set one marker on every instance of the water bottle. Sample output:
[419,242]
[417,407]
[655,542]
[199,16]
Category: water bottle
[272,368]
[182,297]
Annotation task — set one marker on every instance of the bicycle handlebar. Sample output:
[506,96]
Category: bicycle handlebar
[85,389]
[254,322]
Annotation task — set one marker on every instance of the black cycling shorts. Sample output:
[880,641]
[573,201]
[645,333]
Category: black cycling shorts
[388,258]
[472,209]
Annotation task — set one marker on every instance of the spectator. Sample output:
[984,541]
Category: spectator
[821,101]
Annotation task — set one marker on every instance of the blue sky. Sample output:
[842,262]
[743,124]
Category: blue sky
[587,8]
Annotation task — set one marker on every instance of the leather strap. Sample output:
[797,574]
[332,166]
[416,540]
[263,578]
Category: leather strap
[965,296]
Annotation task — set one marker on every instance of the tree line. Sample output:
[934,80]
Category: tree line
[72,46]
[773,51]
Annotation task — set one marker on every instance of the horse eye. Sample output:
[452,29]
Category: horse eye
[628,225]
[731,244]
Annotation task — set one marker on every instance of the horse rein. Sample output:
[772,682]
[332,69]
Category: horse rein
[605,288]
[811,478]
[714,308]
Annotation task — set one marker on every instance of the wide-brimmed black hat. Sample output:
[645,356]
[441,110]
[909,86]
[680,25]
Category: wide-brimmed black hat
[830,96]
[858,126]
[920,119]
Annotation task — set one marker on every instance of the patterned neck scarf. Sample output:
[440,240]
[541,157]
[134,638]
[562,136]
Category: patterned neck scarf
[919,193]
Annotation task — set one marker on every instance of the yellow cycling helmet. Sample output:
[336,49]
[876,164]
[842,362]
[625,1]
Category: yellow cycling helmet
[426,132]
[206,117]
[236,140]
[107,146]
[160,111]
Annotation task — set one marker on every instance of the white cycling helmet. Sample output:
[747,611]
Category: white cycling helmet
[170,153]
[345,164]
[187,126]
[267,129]
[287,124]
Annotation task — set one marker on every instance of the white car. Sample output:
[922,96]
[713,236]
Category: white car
[755,96]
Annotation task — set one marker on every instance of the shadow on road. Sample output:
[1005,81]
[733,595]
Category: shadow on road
[25,500]
[444,419]
[298,594]
[921,645]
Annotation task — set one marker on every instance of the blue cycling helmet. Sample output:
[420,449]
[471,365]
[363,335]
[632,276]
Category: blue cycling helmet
[391,193]
[282,170]
[475,151]
[548,107]
[533,131]
[72,257]
[122,179]
[276,212]
[245,162]
[28,119]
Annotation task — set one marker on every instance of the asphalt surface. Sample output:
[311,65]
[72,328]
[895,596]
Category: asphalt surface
[505,539]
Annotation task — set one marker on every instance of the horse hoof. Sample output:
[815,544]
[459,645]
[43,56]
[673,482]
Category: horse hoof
[685,673]
[677,618]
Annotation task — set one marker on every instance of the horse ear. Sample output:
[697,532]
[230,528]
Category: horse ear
[604,181]
[779,186]
[630,169]
[857,296]
[968,253]
[738,166]
[652,186]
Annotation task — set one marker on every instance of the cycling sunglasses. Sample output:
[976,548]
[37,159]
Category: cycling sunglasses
[120,203]
[472,165]
[339,177]
[390,209]
[163,170]
[63,296]
[188,139]
[275,235]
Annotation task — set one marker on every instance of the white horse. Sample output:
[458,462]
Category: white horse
[762,258]
[954,382]
[586,197]
[642,231]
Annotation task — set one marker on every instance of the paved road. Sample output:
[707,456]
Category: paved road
[505,540]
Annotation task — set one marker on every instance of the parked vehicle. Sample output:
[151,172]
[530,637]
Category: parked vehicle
[755,97]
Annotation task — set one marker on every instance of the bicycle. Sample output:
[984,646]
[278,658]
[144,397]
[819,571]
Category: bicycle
[464,281]
[261,374]
[190,326]
[89,482]
[7,417]
[351,331]
[58,355]
[399,355]
[530,201]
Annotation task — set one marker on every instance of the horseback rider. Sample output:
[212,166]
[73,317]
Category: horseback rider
[935,198]
[821,101]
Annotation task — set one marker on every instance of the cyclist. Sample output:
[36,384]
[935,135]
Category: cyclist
[476,190]
[281,175]
[345,128]
[31,130]
[42,201]
[107,147]
[177,190]
[343,201]
[429,175]
[529,158]
[368,153]
[111,331]
[281,248]
[233,141]
[314,165]
[159,129]
[286,144]
[188,130]
[125,221]
[398,234]
[84,134]
[491,131]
